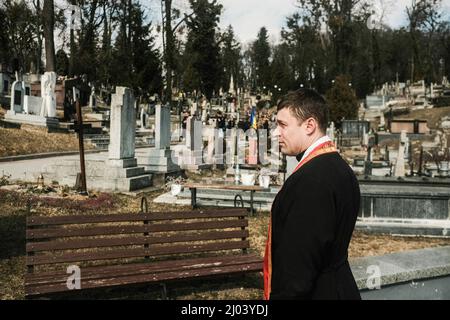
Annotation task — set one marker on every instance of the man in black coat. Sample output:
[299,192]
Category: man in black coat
[314,214]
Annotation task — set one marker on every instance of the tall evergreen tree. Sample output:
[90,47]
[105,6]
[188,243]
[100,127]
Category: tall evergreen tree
[342,100]
[261,56]
[202,54]
[281,71]
[4,45]
[231,59]
[136,62]
[20,35]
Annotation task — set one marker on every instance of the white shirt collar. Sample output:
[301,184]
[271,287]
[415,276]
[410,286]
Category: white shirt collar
[314,145]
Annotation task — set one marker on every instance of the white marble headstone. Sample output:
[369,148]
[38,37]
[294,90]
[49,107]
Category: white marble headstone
[48,86]
[123,125]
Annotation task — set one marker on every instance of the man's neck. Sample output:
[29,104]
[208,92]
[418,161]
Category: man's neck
[311,146]
[313,140]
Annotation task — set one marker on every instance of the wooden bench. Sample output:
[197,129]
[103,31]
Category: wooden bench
[135,249]
[219,186]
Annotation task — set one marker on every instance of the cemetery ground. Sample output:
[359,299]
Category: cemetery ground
[433,116]
[32,139]
[63,201]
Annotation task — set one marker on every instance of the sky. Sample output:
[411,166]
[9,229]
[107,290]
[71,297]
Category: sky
[248,16]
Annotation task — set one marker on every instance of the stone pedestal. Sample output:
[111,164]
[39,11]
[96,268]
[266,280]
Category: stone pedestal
[34,120]
[102,175]
[121,172]
[159,160]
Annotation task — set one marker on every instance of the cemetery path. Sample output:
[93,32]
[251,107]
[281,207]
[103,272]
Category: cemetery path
[28,170]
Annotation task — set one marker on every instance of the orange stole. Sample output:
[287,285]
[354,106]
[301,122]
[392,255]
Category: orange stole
[326,147]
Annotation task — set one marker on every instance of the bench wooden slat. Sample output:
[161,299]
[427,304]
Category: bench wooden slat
[129,249]
[147,278]
[49,233]
[134,253]
[91,273]
[136,217]
[136,240]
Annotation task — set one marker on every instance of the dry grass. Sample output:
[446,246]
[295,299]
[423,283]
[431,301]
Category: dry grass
[433,116]
[12,247]
[32,139]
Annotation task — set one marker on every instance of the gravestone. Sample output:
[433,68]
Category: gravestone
[48,85]
[122,130]
[231,89]
[194,109]
[17,96]
[382,121]
[123,125]
[400,163]
[192,157]
[231,144]
[123,174]
[143,117]
[160,159]
[92,99]
[194,129]
[116,171]
[204,115]
[26,109]
[252,148]
[32,105]
[211,148]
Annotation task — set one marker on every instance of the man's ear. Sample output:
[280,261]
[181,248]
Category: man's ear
[311,125]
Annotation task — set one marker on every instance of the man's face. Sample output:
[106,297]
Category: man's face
[292,133]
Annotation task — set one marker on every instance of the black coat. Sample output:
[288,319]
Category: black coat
[313,217]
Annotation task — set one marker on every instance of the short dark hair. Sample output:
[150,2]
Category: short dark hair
[305,104]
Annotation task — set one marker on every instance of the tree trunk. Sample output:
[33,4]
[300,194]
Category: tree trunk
[49,26]
[39,38]
[169,49]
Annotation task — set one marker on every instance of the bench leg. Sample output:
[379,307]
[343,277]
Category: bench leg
[252,211]
[164,292]
[194,198]
[237,198]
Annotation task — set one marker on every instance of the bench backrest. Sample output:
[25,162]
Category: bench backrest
[110,239]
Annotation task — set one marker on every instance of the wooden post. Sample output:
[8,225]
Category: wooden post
[83,189]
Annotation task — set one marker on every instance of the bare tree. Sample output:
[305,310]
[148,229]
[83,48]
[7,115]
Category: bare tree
[48,15]
[423,17]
